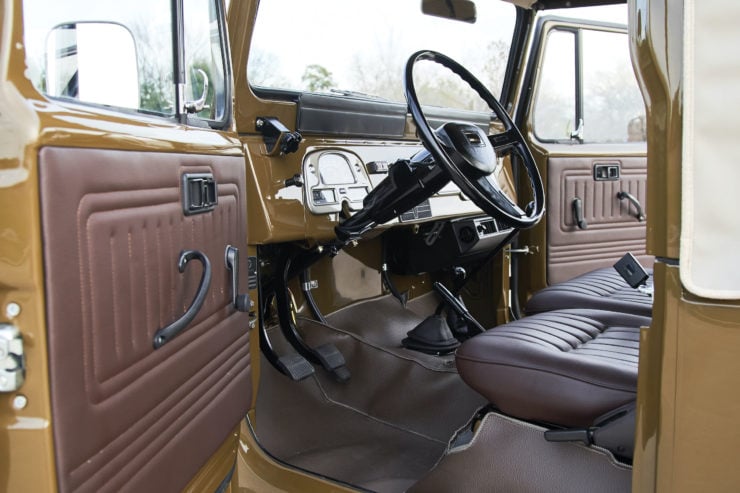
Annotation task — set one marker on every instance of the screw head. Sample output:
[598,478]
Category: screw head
[20,401]
[12,310]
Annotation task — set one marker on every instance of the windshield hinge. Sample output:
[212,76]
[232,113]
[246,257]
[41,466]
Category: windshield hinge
[12,359]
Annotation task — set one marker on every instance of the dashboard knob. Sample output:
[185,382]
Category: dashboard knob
[467,234]
[294,181]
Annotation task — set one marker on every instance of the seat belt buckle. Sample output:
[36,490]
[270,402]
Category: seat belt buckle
[631,271]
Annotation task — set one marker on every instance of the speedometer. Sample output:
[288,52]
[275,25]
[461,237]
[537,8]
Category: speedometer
[335,169]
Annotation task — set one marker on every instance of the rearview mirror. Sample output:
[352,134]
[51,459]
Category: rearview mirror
[459,10]
[93,62]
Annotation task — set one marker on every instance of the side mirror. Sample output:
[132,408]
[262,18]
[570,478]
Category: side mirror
[459,10]
[93,62]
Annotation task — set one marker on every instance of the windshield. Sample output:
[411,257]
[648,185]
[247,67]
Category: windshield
[356,48]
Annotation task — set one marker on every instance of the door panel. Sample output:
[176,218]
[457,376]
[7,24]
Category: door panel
[127,416]
[612,227]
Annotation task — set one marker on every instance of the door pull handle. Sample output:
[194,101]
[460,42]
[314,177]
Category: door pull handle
[639,214]
[167,333]
[578,213]
[239,301]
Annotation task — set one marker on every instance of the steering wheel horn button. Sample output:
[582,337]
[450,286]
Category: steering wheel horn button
[472,144]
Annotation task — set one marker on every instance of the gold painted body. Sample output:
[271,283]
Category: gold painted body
[687,433]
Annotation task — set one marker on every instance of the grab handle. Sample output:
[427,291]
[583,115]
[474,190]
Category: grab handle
[165,334]
[638,207]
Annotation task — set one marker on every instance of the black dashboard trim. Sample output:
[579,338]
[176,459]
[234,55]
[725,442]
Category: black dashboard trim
[325,114]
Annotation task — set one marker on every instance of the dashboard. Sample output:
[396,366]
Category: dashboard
[338,179]
[445,228]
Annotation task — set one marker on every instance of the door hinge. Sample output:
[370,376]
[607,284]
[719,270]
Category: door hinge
[12,359]
[525,250]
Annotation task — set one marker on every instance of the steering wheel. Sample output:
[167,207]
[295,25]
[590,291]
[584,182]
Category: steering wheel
[468,154]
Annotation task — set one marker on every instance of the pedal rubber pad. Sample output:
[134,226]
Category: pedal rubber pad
[295,366]
[333,361]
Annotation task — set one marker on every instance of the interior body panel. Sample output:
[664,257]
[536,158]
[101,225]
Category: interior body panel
[611,227]
[137,408]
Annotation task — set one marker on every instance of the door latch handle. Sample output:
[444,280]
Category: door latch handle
[199,104]
[578,213]
[167,333]
[199,193]
[631,198]
[578,132]
[239,301]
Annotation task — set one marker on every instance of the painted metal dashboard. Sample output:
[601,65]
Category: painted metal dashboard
[337,179]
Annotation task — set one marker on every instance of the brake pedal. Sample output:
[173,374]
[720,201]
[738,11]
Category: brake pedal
[295,366]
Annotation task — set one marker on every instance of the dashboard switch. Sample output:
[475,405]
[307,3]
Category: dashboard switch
[377,167]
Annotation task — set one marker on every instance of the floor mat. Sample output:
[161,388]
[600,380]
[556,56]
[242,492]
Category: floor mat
[388,425]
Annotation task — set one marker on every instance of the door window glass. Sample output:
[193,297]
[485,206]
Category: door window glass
[106,52]
[122,55]
[613,109]
[587,91]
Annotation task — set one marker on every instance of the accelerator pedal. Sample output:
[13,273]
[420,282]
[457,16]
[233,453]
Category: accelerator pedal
[333,361]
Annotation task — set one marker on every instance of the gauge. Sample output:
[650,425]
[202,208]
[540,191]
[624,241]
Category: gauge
[323,196]
[335,169]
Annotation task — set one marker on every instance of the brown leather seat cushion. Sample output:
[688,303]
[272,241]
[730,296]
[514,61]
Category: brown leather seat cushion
[565,367]
[602,289]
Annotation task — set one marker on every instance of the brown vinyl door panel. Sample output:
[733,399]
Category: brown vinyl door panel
[126,416]
[612,227]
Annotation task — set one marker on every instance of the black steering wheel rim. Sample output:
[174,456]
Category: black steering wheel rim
[483,192]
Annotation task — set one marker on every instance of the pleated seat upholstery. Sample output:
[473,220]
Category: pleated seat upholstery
[564,367]
[602,289]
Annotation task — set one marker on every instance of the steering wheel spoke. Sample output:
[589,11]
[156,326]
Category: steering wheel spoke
[503,142]
[499,197]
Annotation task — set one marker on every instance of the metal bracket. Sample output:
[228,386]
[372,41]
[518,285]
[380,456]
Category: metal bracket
[12,359]
[277,137]
[309,285]
[525,250]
